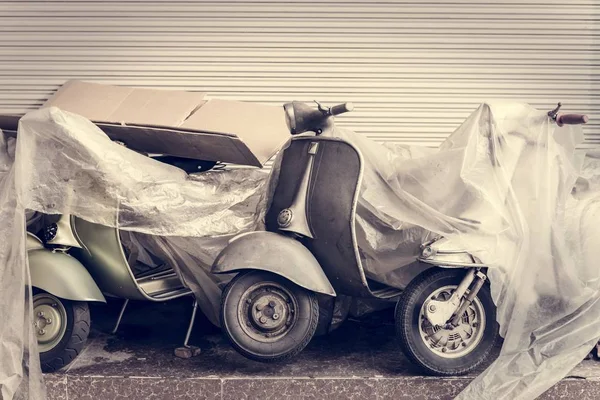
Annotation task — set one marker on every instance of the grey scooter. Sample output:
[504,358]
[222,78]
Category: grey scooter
[445,317]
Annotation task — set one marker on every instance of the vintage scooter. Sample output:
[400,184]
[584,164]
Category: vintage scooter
[74,262]
[445,317]
[62,288]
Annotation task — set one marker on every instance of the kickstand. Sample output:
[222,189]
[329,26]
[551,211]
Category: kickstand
[125,303]
[188,351]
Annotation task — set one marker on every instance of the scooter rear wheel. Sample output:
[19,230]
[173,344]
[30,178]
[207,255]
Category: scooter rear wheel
[266,317]
[445,350]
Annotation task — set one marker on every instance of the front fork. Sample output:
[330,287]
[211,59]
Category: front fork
[444,312]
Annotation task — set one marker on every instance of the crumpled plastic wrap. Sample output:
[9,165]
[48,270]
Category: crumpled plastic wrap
[500,186]
[20,374]
[66,165]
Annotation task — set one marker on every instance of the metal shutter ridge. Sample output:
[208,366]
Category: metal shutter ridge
[414,70]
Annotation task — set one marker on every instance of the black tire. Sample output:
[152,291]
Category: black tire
[74,338]
[408,318]
[245,333]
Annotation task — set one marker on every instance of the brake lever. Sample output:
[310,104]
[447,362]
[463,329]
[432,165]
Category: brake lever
[554,113]
[324,110]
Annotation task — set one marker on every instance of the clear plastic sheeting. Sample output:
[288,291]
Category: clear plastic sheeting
[185,220]
[66,165]
[16,338]
[501,186]
[504,186]
[76,169]
[20,374]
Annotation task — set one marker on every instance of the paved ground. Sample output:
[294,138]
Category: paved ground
[359,361]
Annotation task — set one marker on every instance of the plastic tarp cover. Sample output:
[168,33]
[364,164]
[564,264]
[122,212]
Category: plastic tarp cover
[66,165]
[504,186]
[500,186]
[20,375]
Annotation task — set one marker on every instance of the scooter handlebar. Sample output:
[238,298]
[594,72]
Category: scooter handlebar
[571,119]
[341,108]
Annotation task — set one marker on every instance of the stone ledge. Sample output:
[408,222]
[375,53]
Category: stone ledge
[419,388]
[361,360]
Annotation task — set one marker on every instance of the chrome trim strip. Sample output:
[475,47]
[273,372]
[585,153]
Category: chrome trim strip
[452,252]
[451,263]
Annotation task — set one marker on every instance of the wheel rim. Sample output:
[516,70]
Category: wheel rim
[449,341]
[267,311]
[50,321]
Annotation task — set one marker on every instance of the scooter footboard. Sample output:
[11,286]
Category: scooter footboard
[272,252]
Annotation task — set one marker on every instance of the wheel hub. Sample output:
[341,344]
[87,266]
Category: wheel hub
[49,321]
[451,341]
[267,311]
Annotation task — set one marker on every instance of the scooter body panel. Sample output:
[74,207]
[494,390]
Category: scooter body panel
[33,242]
[105,260]
[331,190]
[276,253]
[62,275]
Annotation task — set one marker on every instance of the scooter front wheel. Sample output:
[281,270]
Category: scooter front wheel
[266,317]
[445,350]
[61,327]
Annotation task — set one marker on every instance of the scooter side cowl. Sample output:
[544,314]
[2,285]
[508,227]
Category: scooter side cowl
[276,253]
[63,276]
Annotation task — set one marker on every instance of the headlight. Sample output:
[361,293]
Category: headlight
[49,232]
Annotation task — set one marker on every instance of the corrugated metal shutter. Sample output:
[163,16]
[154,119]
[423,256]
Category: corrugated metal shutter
[414,70]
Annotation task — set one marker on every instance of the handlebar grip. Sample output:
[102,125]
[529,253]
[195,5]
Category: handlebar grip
[341,108]
[571,119]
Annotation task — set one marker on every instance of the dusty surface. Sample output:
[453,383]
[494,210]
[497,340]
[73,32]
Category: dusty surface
[359,361]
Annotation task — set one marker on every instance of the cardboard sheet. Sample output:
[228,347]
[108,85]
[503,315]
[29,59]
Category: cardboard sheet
[126,105]
[176,123]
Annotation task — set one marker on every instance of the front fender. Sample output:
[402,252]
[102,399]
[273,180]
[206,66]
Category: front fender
[445,253]
[63,276]
[279,254]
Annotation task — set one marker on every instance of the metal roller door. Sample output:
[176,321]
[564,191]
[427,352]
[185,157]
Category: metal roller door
[414,70]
